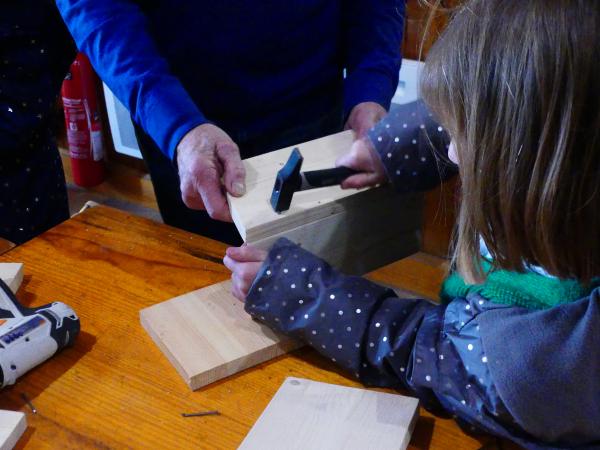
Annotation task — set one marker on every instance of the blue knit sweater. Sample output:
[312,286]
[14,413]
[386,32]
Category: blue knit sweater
[252,68]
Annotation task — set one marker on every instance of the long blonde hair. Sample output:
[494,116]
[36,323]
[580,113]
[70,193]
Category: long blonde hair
[517,84]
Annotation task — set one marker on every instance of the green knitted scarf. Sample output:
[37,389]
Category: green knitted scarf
[529,290]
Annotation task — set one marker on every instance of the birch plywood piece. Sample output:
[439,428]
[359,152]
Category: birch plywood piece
[306,414]
[12,426]
[253,214]
[207,335]
[337,225]
[12,275]
[362,237]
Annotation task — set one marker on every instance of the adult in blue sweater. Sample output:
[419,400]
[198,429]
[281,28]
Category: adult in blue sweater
[206,81]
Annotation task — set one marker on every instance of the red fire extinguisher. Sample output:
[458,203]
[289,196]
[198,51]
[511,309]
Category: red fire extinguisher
[82,119]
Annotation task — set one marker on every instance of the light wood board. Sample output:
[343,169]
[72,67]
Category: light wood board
[207,335]
[253,214]
[12,426]
[338,225]
[12,275]
[306,415]
[365,236]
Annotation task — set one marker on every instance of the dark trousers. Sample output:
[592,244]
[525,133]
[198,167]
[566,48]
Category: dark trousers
[165,178]
[33,193]
[36,49]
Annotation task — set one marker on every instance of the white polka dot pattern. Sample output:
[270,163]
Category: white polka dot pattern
[404,142]
[36,52]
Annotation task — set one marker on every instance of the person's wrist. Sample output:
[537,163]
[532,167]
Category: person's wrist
[190,138]
[365,116]
[184,145]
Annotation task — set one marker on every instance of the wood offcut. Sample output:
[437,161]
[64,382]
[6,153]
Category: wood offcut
[207,335]
[307,415]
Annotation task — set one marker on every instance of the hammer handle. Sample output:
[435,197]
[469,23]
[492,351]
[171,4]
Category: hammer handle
[328,177]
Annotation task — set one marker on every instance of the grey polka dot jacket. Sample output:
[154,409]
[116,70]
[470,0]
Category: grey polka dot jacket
[530,376]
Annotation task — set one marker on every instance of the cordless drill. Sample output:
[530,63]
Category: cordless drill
[29,336]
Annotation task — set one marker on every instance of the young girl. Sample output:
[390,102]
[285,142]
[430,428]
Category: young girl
[514,350]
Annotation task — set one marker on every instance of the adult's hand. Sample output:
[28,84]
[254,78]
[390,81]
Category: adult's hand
[364,116]
[244,263]
[364,158]
[209,165]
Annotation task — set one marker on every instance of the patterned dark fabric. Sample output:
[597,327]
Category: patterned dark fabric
[35,53]
[522,374]
[413,147]
[516,373]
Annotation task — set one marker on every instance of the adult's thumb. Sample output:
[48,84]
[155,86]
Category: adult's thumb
[234,173]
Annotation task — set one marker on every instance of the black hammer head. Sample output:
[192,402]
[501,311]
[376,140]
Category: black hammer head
[287,182]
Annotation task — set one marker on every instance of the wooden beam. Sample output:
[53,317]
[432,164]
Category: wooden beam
[308,414]
[337,225]
[207,335]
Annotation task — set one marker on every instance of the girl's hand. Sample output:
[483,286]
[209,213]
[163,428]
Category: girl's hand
[244,263]
[363,157]
[364,116]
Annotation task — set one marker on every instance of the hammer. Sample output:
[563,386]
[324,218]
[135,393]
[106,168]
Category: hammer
[290,180]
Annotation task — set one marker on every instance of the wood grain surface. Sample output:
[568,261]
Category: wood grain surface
[207,335]
[114,388]
[5,245]
[253,215]
[308,415]
[354,231]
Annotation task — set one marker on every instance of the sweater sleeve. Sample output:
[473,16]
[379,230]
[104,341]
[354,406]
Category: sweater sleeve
[434,351]
[413,147]
[116,37]
[373,37]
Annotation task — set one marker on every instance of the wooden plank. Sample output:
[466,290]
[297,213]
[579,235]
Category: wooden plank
[207,335]
[306,414]
[362,237]
[12,426]
[12,275]
[362,259]
[337,225]
[252,213]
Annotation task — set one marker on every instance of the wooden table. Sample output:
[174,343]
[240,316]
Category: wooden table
[5,245]
[114,388]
